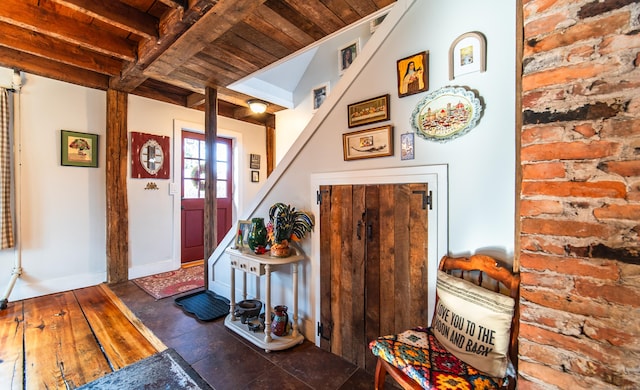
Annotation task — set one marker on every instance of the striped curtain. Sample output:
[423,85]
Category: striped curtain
[6,223]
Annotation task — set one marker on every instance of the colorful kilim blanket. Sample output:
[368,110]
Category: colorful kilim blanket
[418,354]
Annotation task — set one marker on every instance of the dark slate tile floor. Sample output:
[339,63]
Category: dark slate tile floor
[227,361]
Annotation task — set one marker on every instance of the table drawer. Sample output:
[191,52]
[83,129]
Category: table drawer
[246,265]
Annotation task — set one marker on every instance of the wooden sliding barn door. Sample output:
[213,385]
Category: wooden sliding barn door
[373,265]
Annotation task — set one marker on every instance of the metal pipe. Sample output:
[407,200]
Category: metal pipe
[17,142]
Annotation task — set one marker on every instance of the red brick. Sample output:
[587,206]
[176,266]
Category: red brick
[580,53]
[593,268]
[616,293]
[621,128]
[568,343]
[555,378]
[618,43]
[595,28]
[569,151]
[622,168]
[561,75]
[537,207]
[564,302]
[532,7]
[620,332]
[544,25]
[539,353]
[555,282]
[542,134]
[614,211]
[533,100]
[540,244]
[595,189]
[586,129]
[553,170]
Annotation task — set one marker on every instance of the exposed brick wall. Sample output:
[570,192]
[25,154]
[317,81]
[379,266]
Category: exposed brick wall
[580,199]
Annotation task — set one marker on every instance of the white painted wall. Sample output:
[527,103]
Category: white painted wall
[481,164]
[63,217]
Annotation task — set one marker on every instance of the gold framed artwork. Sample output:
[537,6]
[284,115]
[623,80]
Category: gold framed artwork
[413,74]
[376,142]
[78,149]
[368,111]
[467,54]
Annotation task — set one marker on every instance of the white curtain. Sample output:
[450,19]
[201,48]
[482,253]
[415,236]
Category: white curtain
[6,220]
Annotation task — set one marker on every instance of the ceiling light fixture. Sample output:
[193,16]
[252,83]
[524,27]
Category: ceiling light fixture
[257,106]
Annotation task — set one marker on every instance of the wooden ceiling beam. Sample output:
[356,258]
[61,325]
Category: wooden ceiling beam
[116,14]
[172,24]
[39,19]
[211,26]
[56,50]
[29,63]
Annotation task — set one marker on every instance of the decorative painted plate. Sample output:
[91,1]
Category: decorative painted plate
[446,113]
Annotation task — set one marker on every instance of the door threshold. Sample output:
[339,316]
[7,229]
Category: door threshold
[192,263]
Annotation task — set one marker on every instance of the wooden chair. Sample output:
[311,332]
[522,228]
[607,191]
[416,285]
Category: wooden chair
[474,269]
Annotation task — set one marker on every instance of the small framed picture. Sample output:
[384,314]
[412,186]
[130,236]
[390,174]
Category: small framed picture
[242,233]
[347,54]
[255,176]
[377,142]
[467,54]
[318,94]
[78,149]
[368,111]
[254,161]
[406,146]
[413,74]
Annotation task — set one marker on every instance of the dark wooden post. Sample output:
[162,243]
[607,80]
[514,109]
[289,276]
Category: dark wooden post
[210,203]
[116,188]
[270,127]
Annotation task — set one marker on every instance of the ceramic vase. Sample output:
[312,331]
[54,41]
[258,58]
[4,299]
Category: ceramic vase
[258,234]
[280,321]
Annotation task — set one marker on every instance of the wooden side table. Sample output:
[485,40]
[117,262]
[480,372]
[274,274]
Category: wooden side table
[258,265]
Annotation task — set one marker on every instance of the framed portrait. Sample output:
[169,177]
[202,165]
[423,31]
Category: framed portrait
[318,94]
[255,176]
[467,54]
[368,111]
[347,54]
[376,142]
[242,233]
[78,149]
[254,161]
[413,74]
[406,146]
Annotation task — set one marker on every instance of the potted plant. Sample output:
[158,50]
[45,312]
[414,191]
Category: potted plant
[286,224]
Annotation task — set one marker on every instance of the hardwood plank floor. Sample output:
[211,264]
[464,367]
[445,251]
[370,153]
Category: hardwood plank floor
[116,325]
[67,340]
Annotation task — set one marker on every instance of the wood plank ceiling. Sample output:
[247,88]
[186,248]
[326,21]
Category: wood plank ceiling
[168,50]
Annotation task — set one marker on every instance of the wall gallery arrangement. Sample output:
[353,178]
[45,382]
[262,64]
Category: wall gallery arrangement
[441,116]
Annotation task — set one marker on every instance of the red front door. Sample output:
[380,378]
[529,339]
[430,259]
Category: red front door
[193,160]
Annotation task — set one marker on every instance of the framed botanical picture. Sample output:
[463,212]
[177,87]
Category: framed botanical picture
[254,161]
[78,149]
[406,146]
[368,111]
[255,176]
[413,74]
[242,233]
[347,54]
[376,142]
[318,94]
[467,54]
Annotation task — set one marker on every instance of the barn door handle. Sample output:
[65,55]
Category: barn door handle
[358,230]
[370,232]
